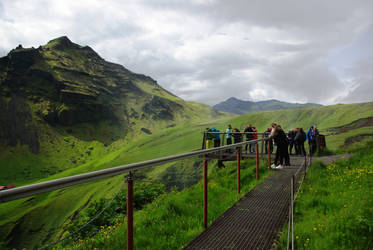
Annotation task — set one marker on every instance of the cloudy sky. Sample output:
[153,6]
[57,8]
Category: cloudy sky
[209,50]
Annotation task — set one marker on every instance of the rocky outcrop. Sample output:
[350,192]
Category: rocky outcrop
[161,109]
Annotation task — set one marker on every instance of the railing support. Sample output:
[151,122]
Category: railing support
[205,193]
[238,170]
[257,161]
[130,212]
[292,210]
[263,141]
[305,167]
[204,141]
[269,153]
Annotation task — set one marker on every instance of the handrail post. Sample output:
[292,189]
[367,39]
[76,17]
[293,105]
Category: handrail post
[222,144]
[292,210]
[257,161]
[205,193]
[204,141]
[129,212]
[238,169]
[305,167]
[263,141]
[269,154]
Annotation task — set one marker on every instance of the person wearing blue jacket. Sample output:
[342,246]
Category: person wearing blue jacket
[216,137]
[228,134]
[309,135]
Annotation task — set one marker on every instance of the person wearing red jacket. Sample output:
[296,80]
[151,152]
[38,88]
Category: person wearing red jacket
[255,136]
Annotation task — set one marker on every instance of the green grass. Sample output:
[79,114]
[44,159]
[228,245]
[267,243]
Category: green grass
[55,160]
[176,217]
[323,117]
[334,209]
[338,141]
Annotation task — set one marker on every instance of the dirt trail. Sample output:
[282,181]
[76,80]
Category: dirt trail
[331,158]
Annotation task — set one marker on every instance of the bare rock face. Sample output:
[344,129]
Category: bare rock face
[161,109]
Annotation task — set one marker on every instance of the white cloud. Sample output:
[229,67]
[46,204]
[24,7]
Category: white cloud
[210,50]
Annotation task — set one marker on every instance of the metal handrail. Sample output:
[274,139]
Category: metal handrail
[46,186]
[259,133]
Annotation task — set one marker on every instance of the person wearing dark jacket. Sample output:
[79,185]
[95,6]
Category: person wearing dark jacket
[299,140]
[282,154]
[291,135]
[237,136]
[249,136]
[267,134]
[216,138]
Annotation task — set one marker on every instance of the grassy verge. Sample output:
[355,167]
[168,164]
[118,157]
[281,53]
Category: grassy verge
[175,218]
[334,209]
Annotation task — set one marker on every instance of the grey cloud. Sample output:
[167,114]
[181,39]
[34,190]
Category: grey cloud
[1,10]
[363,80]
[208,51]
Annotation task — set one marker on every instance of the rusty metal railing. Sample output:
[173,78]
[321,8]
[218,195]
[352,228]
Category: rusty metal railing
[296,181]
[47,186]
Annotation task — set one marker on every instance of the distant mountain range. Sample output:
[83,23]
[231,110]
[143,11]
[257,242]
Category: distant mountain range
[236,106]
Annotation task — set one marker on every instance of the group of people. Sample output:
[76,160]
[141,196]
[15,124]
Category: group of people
[251,133]
[298,137]
[285,143]
[294,139]
[213,137]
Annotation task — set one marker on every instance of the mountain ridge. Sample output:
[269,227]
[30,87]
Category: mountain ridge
[237,106]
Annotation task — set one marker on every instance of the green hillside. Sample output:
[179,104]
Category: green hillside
[62,205]
[62,105]
[65,110]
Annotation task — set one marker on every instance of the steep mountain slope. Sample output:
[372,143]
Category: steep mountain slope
[236,106]
[64,109]
[64,90]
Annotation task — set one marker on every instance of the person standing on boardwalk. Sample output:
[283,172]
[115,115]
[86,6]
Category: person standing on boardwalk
[237,136]
[308,135]
[249,136]
[311,138]
[291,136]
[281,141]
[267,134]
[315,133]
[255,137]
[216,137]
[228,134]
[209,138]
[299,140]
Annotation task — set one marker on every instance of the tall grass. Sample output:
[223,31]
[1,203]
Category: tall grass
[334,209]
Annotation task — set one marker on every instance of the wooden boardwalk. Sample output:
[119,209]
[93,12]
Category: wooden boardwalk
[256,219]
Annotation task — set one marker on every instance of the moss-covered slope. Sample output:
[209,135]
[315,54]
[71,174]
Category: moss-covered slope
[63,89]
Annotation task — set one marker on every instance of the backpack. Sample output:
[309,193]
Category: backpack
[217,136]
